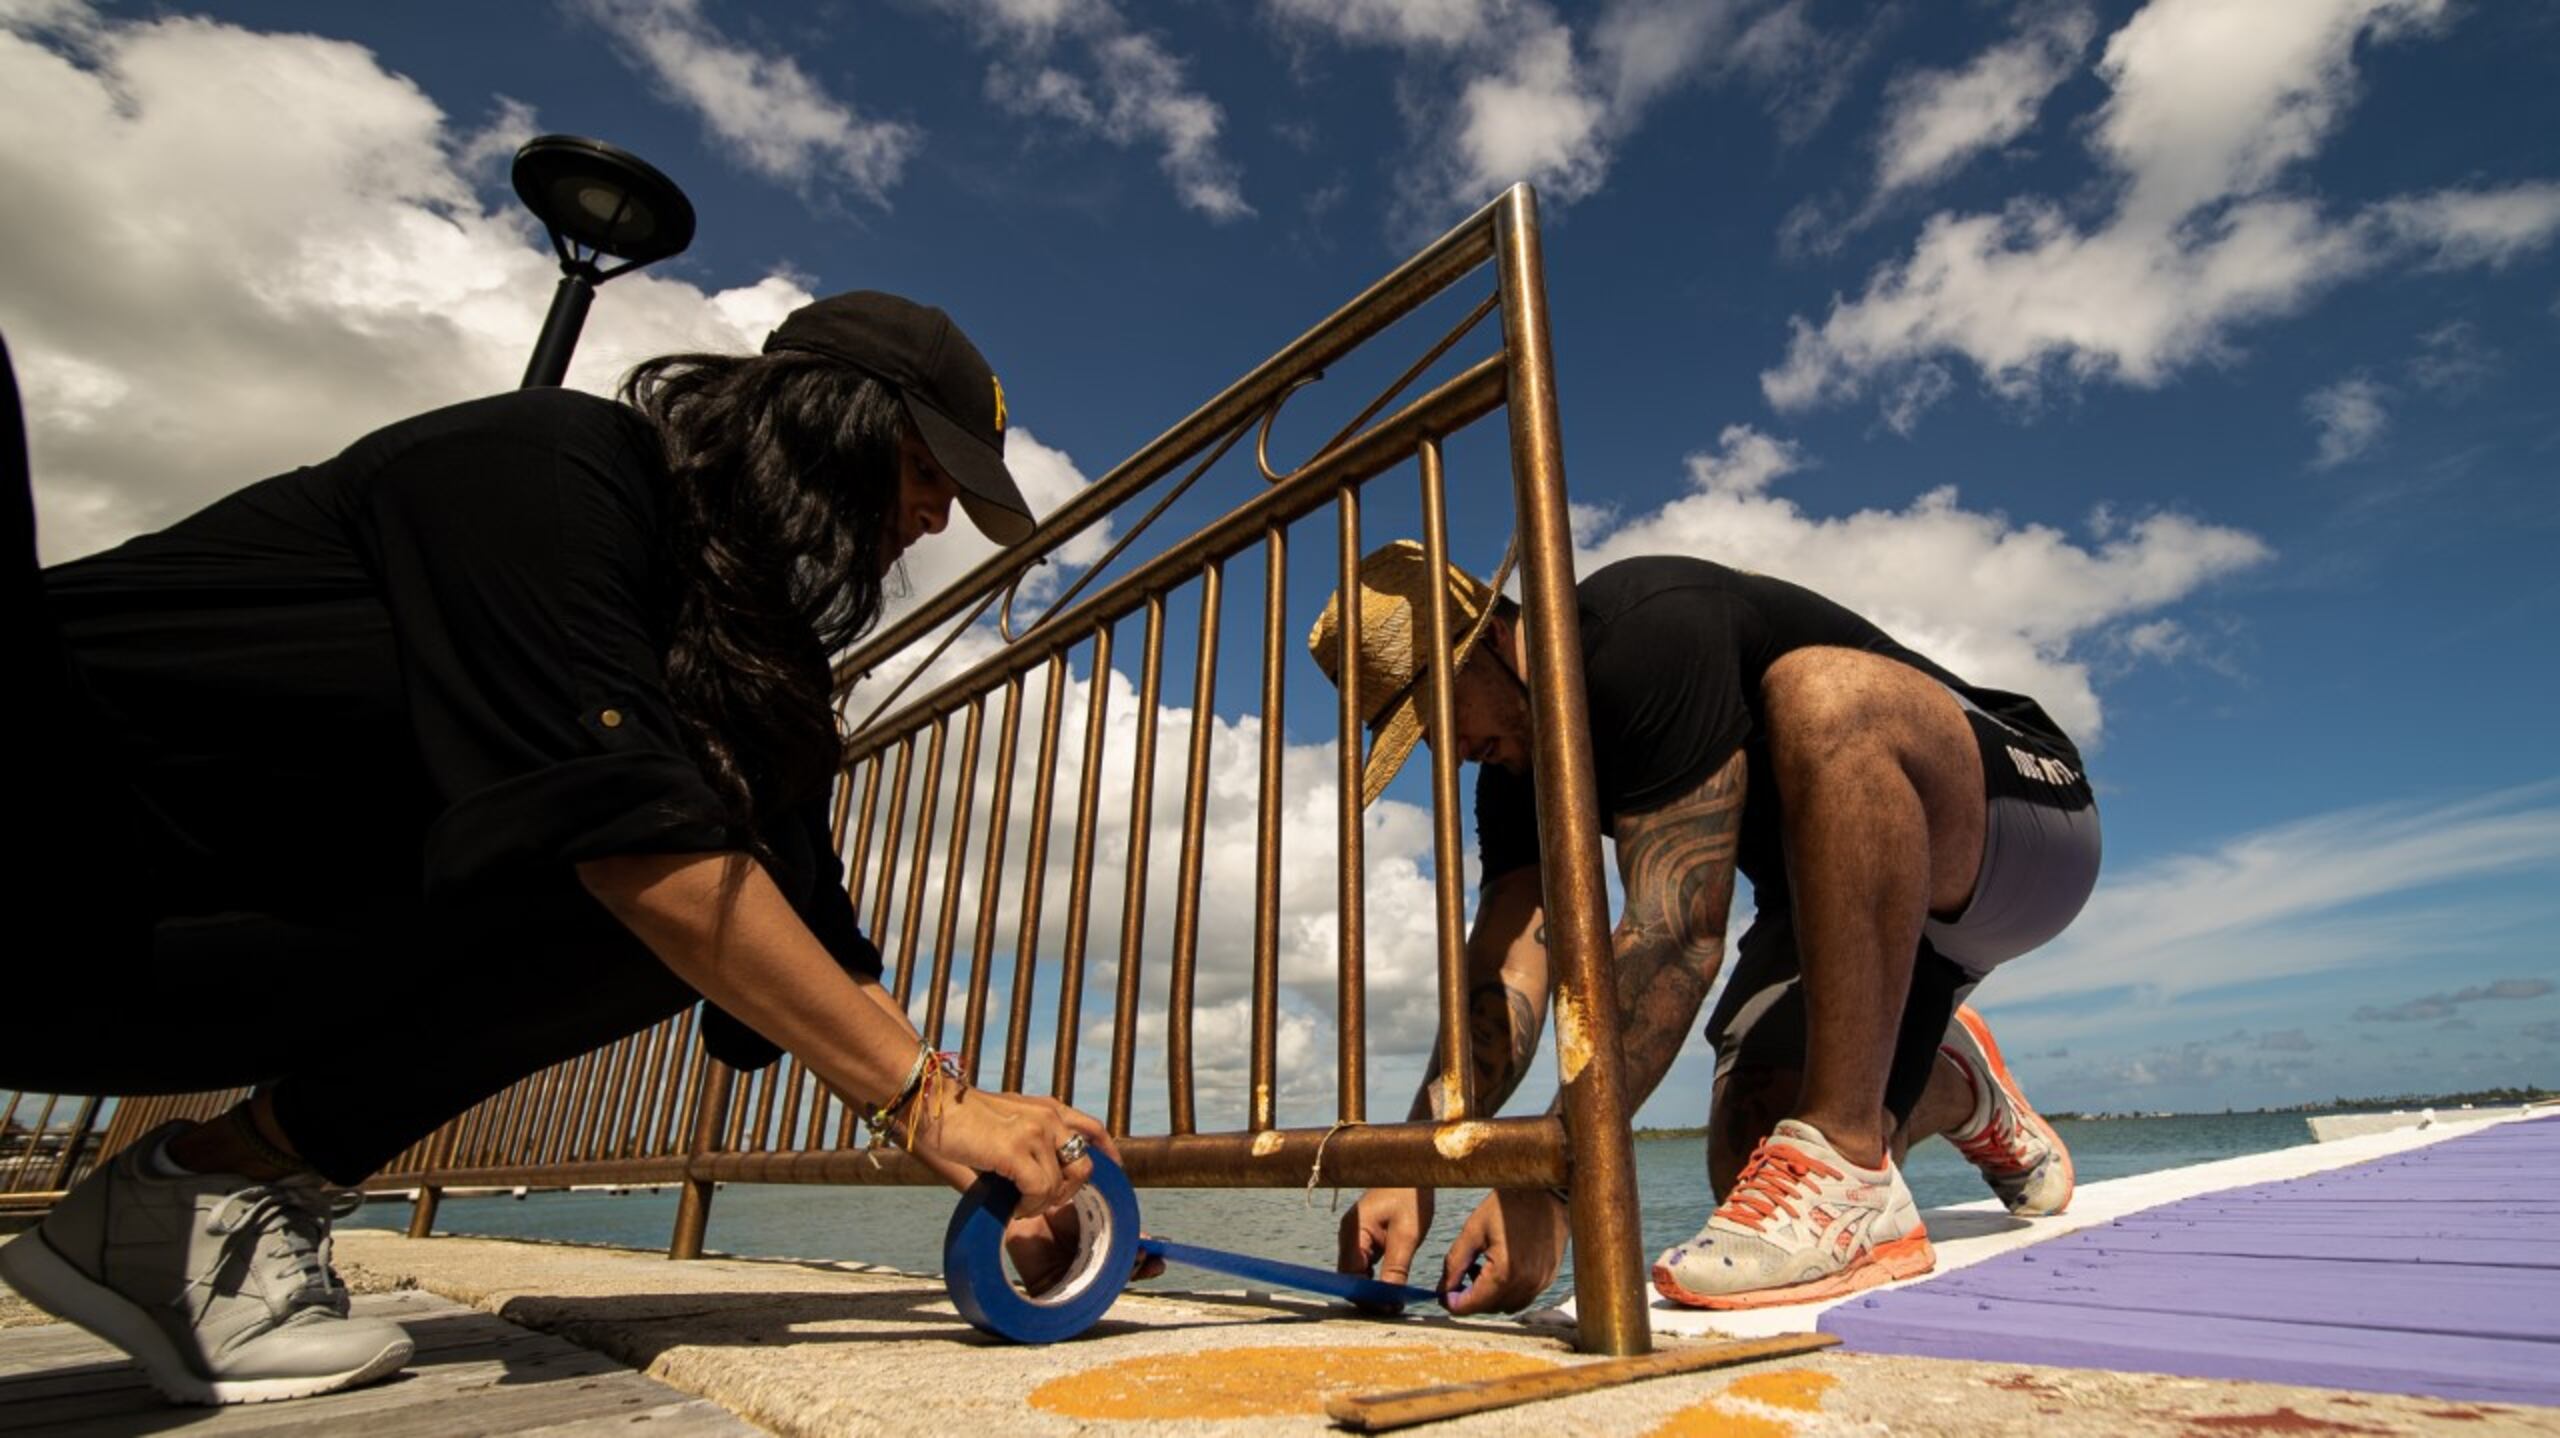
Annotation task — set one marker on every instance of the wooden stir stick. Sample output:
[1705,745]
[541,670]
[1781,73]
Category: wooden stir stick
[1379,1412]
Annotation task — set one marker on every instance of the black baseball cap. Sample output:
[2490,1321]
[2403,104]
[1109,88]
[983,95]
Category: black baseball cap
[951,396]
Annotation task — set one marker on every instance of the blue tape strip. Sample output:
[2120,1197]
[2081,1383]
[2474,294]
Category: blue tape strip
[973,1265]
[1358,1288]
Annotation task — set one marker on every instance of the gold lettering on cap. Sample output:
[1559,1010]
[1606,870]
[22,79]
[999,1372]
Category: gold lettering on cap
[999,384]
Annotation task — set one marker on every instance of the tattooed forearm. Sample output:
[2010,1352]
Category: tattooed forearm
[1677,865]
[1502,1032]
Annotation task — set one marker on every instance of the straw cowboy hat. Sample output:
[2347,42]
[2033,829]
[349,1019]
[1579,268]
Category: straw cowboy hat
[1394,598]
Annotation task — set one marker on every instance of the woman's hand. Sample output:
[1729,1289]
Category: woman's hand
[1015,1135]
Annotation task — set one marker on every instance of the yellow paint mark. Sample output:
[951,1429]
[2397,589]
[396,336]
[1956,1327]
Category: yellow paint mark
[1267,1143]
[1711,1419]
[1265,1382]
[1744,1408]
[1798,1388]
[1573,1036]
[1457,1140]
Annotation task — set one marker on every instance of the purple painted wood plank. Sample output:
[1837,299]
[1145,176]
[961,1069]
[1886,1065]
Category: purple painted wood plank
[2457,1299]
[2361,1278]
[1921,1322]
[2254,1239]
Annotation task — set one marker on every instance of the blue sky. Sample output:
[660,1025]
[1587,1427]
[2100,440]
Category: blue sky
[2188,365]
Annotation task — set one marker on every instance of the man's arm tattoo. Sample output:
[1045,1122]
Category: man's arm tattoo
[1677,864]
[1502,1034]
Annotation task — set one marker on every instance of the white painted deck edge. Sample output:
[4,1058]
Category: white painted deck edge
[1969,1233]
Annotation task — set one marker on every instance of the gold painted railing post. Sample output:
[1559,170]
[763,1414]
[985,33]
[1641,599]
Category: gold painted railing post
[693,1200]
[1608,1257]
[422,1212]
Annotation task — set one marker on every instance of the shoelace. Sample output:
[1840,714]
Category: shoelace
[1775,1174]
[2001,1145]
[295,1216]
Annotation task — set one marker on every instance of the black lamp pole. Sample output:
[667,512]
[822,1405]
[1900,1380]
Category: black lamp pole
[595,200]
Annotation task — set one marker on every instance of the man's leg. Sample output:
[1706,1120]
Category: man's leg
[1995,1128]
[1882,805]
[1882,795]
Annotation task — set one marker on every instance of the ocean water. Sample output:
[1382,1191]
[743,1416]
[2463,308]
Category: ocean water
[902,1228]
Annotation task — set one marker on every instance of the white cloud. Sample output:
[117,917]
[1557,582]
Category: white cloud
[1937,120]
[1501,91]
[2290,901]
[760,104]
[2211,105]
[2452,360]
[2350,418]
[228,253]
[2012,606]
[1532,119]
[2474,227]
[1134,91]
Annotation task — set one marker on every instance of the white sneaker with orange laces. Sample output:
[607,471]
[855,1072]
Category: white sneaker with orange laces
[2019,1154]
[1801,1224]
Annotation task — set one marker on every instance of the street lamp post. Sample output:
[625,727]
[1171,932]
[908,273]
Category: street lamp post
[595,200]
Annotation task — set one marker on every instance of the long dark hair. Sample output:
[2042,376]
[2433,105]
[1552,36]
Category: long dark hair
[784,472]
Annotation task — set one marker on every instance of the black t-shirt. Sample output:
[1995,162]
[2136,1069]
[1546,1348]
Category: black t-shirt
[1673,652]
[421,680]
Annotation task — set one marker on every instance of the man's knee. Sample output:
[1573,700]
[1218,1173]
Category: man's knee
[1825,702]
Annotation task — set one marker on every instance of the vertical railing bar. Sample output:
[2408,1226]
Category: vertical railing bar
[889,842]
[626,1086]
[69,1158]
[1351,1017]
[1264,1113]
[608,1084]
[1035,873]
[1457,1084]
[854,871]
[735,1135]
[1195,814]
[1607,1235]
[794,1083]
[631,1127]
[973,1029]
[678,1105]
[1097,699]
[563,1102]
[596,1066]
[947,928]
[1133,901]
[927,817]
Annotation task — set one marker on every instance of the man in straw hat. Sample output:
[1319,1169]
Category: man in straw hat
[1903,832]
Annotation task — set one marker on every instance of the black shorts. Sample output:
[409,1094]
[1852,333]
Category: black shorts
[2040,852]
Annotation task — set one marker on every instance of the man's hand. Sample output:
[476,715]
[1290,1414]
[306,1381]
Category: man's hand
[1520,1234]
[1382,1231]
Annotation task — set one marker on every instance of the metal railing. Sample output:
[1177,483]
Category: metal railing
[655,1108]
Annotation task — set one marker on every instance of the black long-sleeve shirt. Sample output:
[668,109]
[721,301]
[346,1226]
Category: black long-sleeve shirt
[417,682]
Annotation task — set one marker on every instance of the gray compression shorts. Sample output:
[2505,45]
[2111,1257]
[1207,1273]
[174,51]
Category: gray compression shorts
[2040,852]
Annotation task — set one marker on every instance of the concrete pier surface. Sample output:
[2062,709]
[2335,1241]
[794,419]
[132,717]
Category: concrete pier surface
[808,1349]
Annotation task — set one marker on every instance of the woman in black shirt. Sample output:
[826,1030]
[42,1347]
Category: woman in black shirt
[510,729]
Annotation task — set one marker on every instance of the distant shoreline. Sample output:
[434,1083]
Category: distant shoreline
[2482,1098]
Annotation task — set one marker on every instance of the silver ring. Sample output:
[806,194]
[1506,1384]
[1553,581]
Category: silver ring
[1071,1150]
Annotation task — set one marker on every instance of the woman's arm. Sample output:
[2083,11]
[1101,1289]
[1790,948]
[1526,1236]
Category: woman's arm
[720,923]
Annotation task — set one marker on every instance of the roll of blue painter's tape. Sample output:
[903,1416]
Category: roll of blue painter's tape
[973,1266]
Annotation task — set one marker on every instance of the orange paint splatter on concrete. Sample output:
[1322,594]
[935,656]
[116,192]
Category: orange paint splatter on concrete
[2281,1420]
[1713,1420]
[2020,1383]
[1788,1389]
[1798,1388]
[1265,1382]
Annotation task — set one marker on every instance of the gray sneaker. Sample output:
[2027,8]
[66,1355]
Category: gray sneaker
[218,1285]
